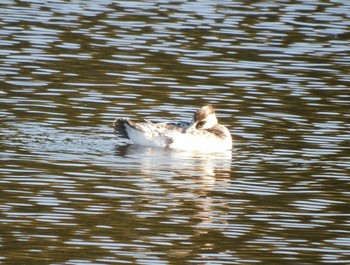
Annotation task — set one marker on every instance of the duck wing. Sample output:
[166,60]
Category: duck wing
[178,126]
[148,133]
[119,126]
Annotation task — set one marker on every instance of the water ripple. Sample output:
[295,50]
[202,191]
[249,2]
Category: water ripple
[277,73]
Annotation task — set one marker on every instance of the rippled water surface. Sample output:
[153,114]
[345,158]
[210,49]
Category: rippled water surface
[72,192]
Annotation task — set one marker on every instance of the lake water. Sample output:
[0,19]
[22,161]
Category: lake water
[72,192]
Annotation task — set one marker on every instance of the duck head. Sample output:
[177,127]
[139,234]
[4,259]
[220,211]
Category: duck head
[204,118]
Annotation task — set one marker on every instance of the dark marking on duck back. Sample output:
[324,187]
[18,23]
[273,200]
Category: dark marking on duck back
[119,127]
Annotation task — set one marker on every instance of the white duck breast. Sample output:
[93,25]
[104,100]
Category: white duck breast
[202,133]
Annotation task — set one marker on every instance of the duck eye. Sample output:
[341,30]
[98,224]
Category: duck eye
[200,124]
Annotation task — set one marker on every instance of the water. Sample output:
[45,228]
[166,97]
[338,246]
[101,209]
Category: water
[74,193]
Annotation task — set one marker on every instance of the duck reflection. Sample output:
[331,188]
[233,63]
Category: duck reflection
[179,187]
[152,161]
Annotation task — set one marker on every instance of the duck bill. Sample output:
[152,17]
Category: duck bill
[190,127]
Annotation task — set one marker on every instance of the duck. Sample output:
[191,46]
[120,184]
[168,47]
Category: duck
[203,132]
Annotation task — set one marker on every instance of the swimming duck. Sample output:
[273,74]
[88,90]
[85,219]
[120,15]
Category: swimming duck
[203,133]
